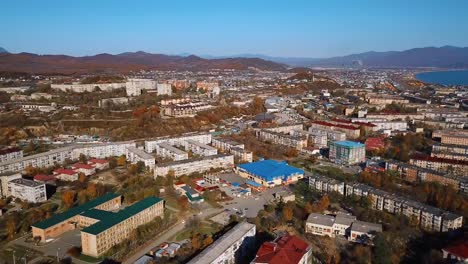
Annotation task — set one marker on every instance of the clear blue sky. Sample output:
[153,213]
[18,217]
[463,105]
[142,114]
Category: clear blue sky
[311,28]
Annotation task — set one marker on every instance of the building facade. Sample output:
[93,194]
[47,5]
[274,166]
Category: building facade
[27,190]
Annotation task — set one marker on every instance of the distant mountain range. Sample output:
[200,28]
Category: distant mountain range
[443,57]
[125,62]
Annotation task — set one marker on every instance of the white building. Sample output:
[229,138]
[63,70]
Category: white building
[230,247]
[135,155]
[10,154]
[27,190]
[81,88]
[199,148]
[165,150]
[151,145]
[200,165]
[164,89]
[134,87]
[4,179]
[322,136]
[103,150]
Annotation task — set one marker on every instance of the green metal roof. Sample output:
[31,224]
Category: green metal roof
[122,215]
[97,214]
[58,218]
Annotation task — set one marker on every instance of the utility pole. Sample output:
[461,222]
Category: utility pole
[14,259]
[58,259]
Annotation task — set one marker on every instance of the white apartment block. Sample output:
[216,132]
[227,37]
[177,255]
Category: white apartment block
[4,179]
[199,148]
[233,147]
[200,165]
[27,190]
[46,159]
[81,88]
[383,124]
[330,135]
[297,142]
[134,87]
[166,150]
[102,150]
[134,155]
[204,138]
[326,185]
[242,155]
[164,89]
[229,248]
[10,154]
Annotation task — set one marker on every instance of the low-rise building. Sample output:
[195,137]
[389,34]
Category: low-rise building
[27,190]
[86,169]
[167,151]
[297,251]
[230,247]
[270,173]
[8,154]
[199,148]
[66,174]
[4,179]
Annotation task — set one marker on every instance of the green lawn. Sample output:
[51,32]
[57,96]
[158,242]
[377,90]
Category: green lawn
[204,230]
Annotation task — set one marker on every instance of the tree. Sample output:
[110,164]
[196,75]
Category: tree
[122,160]
[112,162]
[81,177]
[195,241]
[91,191]
[287,214]
[183,202]
[68,198]
[308,208]
[82,197]
[83,159]
[208,240]
[11,227]
[74,252]
[381,251]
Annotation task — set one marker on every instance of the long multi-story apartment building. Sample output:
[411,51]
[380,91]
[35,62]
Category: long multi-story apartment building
[8,154]
[151,145]
[134,155]
[452,137]
[102,150]
[297,142]
[381,125]
[199,148]
[230,247]
[233,147]
[134,87]
[321,137]
[184,109]
[415,174]
[326,185]
[27,190]
[166,150]
[189,166]
[396,116]
[351,132]
[428,217]
[386,99]
[347,152]
[454,152]
[81,88]
[456,167]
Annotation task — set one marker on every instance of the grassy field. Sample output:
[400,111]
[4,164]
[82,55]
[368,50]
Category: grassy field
[204,230]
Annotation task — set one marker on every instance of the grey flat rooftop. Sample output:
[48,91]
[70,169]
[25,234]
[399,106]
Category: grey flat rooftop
[140,153]
[26,182]
[209,254]
[320,219]
[365,227]
[171,148]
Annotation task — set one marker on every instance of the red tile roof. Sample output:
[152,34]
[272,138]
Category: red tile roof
[82,166]
[285,250]
[8,150]
[43,177]
[459,249]
[64,171]
[440,160]
[323,123]
[374,143]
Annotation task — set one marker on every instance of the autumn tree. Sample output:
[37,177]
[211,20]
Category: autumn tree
[196,241]
[183,203]
[121,161]
[11,227]
[81,177]
[68,198]
[208,241]
[287,213]
[83,159]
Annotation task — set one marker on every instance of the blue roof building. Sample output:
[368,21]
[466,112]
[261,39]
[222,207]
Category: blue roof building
[270,173]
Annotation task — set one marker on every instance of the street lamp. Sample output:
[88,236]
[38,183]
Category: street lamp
[14,259]
[58,249]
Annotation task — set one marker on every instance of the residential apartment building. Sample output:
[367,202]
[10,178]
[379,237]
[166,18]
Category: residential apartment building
[184,109]
[233,147]
[134,87]
[164,89]
[322,136]
[4,179]
[351,132]
[326,185]
[81,88]
[297,142]
[103,229]
[134,155]
[8,154]
[199,148]
[167,151]
[200,165]
[347,152]
[381,125]
[27,190]
[103,150]
[151,145]
[386,99]
[65,174]
[230,247]
[457,167]
[428,217]
[41,160]
[396,116]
